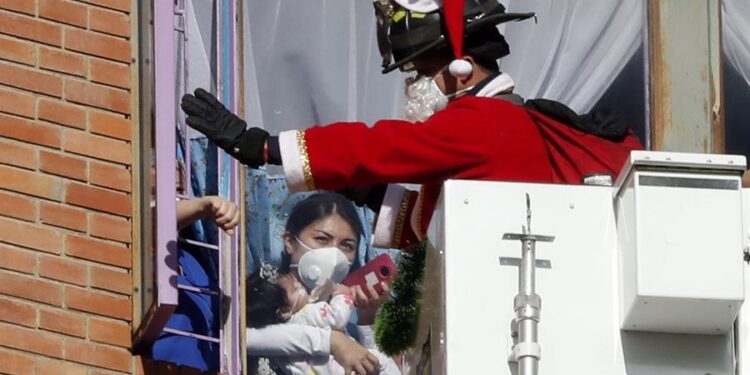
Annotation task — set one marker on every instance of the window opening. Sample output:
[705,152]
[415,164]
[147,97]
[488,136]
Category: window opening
[171,141]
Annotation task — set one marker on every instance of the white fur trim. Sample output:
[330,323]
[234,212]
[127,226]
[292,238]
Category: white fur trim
[501,83]
[291,160]
[385,225]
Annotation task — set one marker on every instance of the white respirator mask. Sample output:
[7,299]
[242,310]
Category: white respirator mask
[424,97]
[320,269]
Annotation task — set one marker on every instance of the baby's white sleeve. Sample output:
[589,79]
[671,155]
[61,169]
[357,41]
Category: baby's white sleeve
[291,340]
[334,314]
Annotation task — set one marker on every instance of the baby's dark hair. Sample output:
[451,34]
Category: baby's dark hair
[264,299]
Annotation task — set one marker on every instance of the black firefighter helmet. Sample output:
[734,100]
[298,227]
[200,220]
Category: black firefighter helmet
[405,35]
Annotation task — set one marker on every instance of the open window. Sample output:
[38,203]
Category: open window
[186,44]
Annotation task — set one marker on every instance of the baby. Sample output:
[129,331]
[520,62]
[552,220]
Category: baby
[275,298]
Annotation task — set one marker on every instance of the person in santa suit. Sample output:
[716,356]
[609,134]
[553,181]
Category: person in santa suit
[462,122]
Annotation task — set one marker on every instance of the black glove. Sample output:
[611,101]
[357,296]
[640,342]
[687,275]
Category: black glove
[370,196]
[208,116]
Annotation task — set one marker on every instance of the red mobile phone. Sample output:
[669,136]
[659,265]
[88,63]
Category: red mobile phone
[381,268]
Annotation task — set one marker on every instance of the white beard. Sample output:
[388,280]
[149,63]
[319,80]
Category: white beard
[423,99]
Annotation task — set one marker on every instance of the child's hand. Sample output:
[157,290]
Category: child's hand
[223,212]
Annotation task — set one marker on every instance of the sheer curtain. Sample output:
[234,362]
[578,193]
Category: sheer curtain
[575,51]
[314,62]
[736,28]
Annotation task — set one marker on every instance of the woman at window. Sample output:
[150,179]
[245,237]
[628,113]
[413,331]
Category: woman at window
[316,226]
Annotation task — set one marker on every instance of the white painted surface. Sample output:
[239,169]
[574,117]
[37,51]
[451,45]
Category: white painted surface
[468,297]
[681,252]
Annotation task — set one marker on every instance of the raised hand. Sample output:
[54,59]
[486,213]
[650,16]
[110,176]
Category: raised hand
[208,116]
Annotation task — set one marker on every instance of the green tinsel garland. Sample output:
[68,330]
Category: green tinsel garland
[397,319]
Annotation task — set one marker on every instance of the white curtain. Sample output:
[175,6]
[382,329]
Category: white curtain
[315,62]
[575,51]
[736,33]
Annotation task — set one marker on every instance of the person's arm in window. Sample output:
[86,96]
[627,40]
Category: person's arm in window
[223,212]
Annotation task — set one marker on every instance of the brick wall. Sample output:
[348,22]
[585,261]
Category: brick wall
[65,187]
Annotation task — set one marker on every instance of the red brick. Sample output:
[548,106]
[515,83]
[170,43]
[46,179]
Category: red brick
[98,199]
[31,80]
[15,363]
[98,251]
[110,73]
[18,154]
[110,227]
[110,125]
[110,176]
[62,216]
[50,366]
[17,206]
[27,182]
[17,102]
[17,260]
[15,312]
[112,280]
[61,269]
[97,147]
[109,332]
[62,61]
[63,11]
[98,355]
[62,113]
[109,22]
[98,96]
[122,5]
[28,7]
[100,45]
[30,236]
[30,131]
[30,28]
[30,288]
[31,340]
[62,165]
[63,322]
[98,303]
[17,51]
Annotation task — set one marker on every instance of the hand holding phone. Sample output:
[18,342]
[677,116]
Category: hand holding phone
[380,269]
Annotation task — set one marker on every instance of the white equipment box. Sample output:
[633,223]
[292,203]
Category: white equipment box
[472,275]
[679,226]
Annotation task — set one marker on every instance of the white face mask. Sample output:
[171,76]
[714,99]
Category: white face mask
[319,269]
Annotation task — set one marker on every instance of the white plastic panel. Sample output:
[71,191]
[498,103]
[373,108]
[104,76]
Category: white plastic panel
[468,304]
[681,244]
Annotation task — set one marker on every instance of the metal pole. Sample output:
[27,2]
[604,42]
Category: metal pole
[527,304]
[528,310]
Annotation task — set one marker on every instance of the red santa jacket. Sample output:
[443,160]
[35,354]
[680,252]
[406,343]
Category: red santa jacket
[474,138]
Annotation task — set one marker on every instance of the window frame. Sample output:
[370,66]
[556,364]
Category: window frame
[155,299]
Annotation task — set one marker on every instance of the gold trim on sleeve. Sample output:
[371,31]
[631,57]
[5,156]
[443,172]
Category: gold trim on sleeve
[400,220]
[304,159]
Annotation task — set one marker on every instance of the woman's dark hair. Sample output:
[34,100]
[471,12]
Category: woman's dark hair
[264,299]
[316,207]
